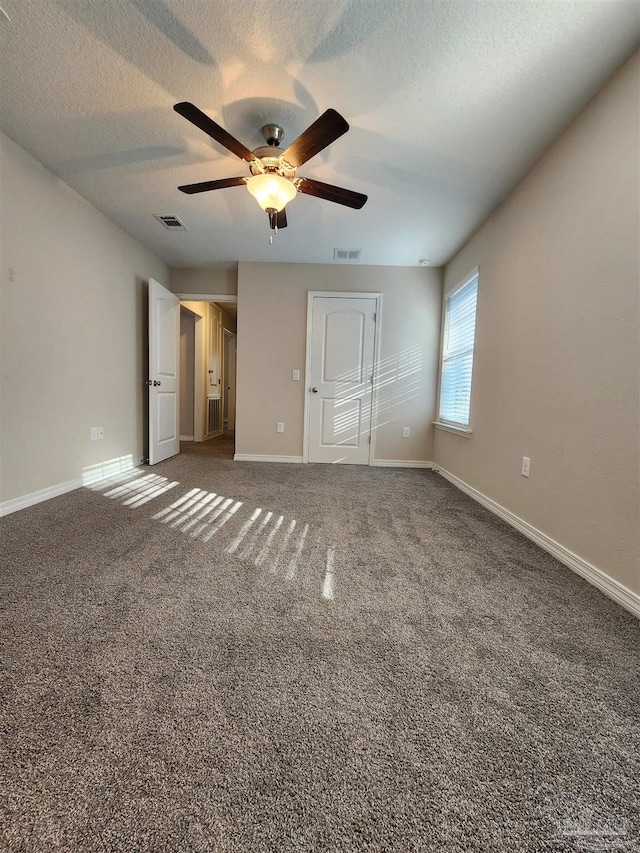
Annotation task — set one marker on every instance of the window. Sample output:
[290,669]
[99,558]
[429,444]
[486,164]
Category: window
[457,352]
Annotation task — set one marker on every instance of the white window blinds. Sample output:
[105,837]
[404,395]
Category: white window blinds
[457,355]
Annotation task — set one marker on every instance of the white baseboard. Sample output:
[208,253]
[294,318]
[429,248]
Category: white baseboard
[609,586]
[15,504]
[401,463]
[248,457]
[382,463]
[186,438]
[24,501]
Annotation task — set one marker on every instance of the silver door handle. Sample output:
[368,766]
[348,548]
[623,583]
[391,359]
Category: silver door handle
[315,390]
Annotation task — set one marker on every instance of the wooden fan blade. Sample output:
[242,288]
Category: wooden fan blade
[197,117]
[338,194]
[205,186]
[281,218]
[317,136]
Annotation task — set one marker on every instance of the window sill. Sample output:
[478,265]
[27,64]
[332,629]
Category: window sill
[465,432]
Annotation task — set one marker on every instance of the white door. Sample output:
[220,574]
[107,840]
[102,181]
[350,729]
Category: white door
[164,373]
[341,378]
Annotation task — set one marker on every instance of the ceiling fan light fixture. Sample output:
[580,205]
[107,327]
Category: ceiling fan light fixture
[271,191]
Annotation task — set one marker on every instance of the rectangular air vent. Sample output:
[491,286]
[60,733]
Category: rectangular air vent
[347,254]
[171,222]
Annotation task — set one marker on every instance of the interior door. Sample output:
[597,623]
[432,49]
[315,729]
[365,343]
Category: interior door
[164,373]
[341,378]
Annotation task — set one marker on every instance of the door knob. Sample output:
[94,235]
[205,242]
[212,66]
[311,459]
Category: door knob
[149,382]
[156,382]
[315,390]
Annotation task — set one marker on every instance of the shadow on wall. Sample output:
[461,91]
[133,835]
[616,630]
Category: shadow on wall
[397,383]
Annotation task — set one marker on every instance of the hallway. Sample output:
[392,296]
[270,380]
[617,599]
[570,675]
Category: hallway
[221,447]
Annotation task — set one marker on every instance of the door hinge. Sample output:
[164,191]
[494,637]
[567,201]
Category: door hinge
[375,316]
[369,440]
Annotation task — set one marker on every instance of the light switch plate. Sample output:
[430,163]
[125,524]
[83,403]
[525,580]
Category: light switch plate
[295,375]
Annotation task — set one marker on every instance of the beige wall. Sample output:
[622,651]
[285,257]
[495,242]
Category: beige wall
[199,309]
[272,320]
[228,322]
[207,281]
[556,372]
[73,333]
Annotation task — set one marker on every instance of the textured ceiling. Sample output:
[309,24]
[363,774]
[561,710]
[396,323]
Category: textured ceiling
[449,104]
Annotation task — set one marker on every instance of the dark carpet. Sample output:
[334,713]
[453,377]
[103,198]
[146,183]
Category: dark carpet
[220,656]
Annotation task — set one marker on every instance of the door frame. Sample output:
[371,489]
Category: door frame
[226,347]
[207,297]
[342,294]
[200,379]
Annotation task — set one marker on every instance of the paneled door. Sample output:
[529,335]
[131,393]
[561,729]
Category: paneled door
[341,373]
[164,373]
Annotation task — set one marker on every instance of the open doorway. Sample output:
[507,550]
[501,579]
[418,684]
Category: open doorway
[208,330]
[187,373]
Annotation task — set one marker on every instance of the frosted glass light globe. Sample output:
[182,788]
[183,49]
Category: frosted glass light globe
[271,191]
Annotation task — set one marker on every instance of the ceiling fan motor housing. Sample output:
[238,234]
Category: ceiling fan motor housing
[273,133]
[269,159]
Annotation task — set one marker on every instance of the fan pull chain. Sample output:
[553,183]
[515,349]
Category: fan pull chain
[273,223]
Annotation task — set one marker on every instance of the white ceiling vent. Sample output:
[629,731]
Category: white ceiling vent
[347,254]
[171,222]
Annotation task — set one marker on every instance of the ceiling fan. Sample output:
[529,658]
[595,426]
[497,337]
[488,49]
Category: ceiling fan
[273,180]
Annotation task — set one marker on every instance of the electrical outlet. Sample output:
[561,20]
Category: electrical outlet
[94,433]
[295,375]
[526,466]
[406,432]
[279,427]
[100,432]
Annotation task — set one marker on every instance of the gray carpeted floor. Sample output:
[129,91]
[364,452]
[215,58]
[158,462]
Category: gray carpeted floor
[220,656]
